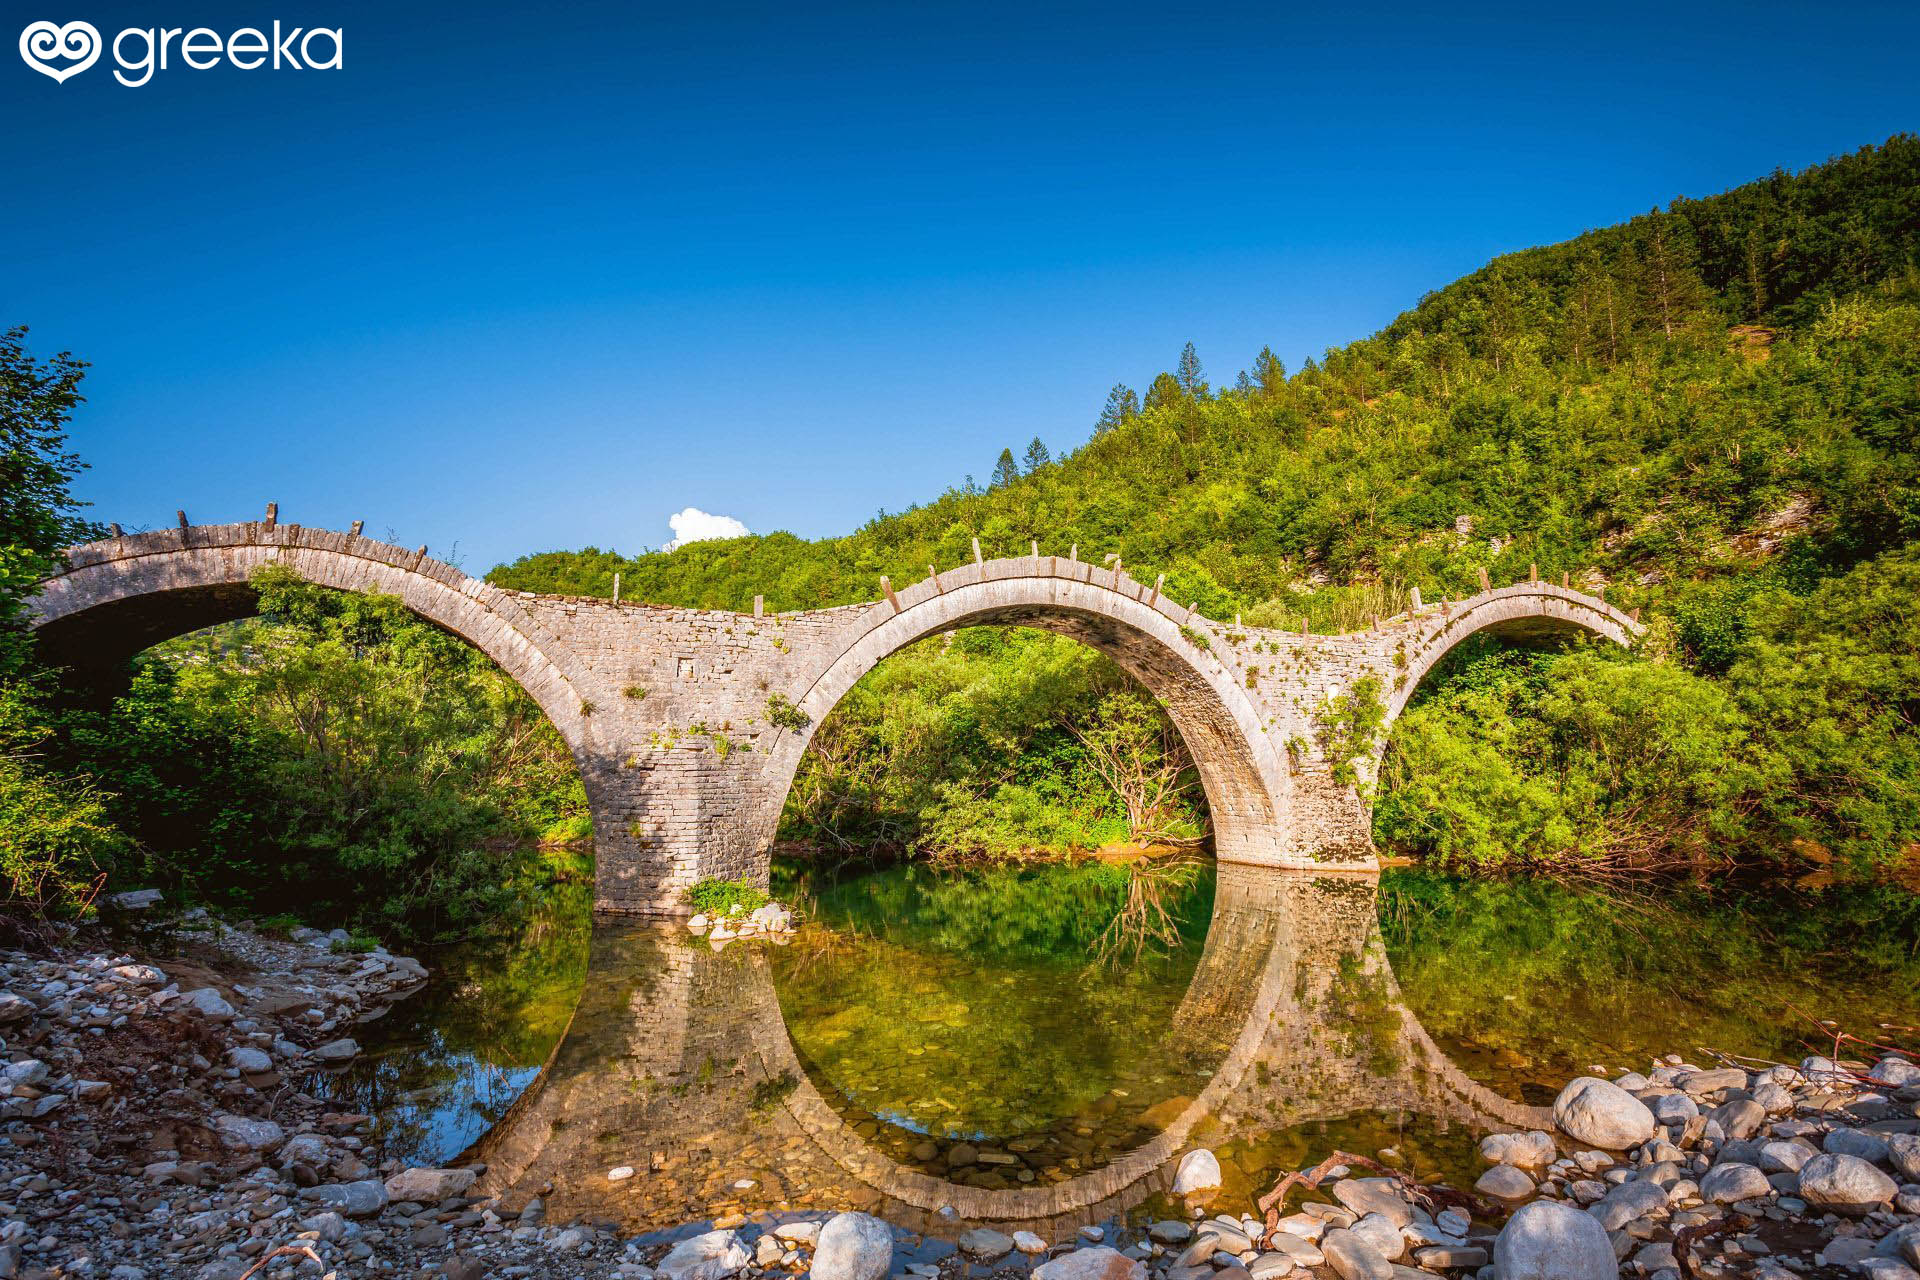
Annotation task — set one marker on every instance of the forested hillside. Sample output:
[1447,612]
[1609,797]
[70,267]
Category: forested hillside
[1711,409]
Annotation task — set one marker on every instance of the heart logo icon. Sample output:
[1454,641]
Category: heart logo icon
[42,42]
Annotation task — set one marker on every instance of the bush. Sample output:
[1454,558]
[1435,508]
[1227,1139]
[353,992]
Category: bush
[719,897]
[1581,757]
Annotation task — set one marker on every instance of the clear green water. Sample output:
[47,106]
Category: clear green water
[922,1020]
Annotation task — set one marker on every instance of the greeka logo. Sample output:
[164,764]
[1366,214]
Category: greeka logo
[41,42]
[62,52]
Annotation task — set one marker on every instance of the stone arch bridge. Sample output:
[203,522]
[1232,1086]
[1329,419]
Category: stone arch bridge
[688,724]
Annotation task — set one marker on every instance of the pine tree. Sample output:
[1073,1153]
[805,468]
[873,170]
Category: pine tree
[1188,374]
[1037,456]
[1164,391]
[1005,471]
[1122,404]
[1268,373]
[1670,290]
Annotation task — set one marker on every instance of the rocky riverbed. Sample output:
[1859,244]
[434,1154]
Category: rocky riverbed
[154,1123]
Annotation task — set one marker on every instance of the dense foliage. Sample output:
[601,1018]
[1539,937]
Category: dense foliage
[994,741]
[338,758]
[1711,410]
[56,839]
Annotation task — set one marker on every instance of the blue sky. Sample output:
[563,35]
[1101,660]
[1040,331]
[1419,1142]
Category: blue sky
[523,278]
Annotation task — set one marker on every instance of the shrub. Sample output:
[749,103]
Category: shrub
[719,897]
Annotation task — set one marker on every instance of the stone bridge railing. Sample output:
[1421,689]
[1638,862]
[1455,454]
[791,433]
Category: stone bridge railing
[676,716]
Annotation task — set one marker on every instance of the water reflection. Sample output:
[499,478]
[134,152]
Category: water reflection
[679,1064]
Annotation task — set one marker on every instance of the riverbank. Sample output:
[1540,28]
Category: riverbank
[156,1123]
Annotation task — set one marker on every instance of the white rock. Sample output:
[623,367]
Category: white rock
[341,1050]
[1844,1183]
[1096,1263]
[853,1246]
[243,1133]
[1353,1257]
[1602,1114]
[249,1060]
[1546,1240]
[1504,1182]
[208,1003]
[1531,1150]
[1199,1171]
[429,1186]
[620,1173]
[1727,1183]
[712,1256]
[1895,1072]
[1904,1150]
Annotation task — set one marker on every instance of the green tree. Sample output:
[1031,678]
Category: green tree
[1122,406]
[1187,372]
[1037,456]
[1005,471]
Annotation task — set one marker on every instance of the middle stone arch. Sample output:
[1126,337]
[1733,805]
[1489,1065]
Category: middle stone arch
[1240,769]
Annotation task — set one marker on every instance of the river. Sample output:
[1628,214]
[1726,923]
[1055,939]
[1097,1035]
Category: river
[1033,1044]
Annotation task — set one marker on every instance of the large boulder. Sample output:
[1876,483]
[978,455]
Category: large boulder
[429,1186]
[1547,1240]
[712,1256]
[1630,1200]
[1602,1114]
[354,1199]
[1530,1150]
[208,1003]
[1731,1182]
[1374,1195]
[1904,1150]
[1894,1071]
[244,1133]
[1097,1263]
[1353,1257]
[1845,1184]
[1199,1172]
[853,1246]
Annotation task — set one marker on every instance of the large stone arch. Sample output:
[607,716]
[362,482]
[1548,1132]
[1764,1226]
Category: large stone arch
[1246,782]
[1529,612]
[112,599]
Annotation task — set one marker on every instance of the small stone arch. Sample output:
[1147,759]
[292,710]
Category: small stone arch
[1526,613]
[112,599]
[1163,647]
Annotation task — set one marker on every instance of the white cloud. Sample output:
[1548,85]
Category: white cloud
[695,525]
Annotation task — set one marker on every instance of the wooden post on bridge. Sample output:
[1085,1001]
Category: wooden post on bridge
[1566,580]
[886,586]
[934,575]
[115,527]
[273,514]
[1158,583]
[1416,601]
[1533,573]
[976,552]
[182,517]
[759,606]
[358,525]
[1485,583]
[616,588]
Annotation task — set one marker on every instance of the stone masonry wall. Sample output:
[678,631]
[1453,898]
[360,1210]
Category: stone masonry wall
[670,712]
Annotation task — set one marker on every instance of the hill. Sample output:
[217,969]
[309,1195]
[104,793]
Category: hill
[1711,409]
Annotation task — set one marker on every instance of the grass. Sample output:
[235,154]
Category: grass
[719,897]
